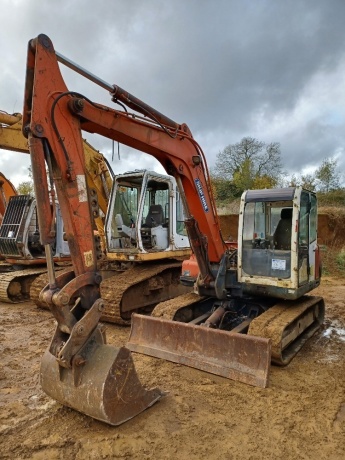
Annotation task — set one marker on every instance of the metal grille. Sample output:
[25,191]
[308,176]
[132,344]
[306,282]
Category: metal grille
[12,223]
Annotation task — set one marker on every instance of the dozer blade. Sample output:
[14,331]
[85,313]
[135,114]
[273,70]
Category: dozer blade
[231,355]
[103,385]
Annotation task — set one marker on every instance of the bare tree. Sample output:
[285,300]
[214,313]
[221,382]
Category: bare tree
[250,162]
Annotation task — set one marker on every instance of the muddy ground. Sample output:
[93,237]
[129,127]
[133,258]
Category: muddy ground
[301,415]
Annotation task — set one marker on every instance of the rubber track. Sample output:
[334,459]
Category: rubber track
[7,278]
[113,288]
[277,319]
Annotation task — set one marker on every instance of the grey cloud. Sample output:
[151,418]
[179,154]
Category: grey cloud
[215,65]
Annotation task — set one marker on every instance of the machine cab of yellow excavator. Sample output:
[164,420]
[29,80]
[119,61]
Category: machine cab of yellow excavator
[278,251]
[145,216]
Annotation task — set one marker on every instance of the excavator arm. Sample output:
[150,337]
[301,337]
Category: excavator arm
[11,137]
[78,369]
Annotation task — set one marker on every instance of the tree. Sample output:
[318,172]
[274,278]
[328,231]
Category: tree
[327,176]
[26,188]
[249,163]
[306,181]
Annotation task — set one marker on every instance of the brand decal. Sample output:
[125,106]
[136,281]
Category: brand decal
[201,194]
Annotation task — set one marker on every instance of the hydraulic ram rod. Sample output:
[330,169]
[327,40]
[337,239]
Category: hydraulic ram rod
[119,93]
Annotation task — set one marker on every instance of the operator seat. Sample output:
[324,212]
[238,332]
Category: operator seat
[155,216]
[282,234]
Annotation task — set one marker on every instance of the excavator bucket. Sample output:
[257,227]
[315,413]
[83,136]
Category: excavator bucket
[103,383]
[231,355]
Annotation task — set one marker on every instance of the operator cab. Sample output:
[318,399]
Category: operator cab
[145,214]
[278,251]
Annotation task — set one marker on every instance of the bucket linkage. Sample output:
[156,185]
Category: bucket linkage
[80,370]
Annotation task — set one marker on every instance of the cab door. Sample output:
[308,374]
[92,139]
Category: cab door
[303,239]
[307,238]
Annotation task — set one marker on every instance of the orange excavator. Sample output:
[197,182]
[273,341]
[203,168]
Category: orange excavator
[247,301]
[144,219]
[7,190]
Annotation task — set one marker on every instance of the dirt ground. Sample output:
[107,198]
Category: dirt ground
[301,415]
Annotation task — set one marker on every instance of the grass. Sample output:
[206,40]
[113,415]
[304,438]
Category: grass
[333,261]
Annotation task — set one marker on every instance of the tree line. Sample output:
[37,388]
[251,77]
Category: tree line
[253,164]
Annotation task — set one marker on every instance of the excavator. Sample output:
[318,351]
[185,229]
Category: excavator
[19,232]
[99,173]
[146,242]
[248,304]
[145,224]
[7,190]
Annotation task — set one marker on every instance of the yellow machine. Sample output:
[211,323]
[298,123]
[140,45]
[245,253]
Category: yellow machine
[19,232]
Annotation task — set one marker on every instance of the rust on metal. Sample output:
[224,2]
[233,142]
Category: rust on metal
[231,355]
[289,324]
[102,382]
[15,286]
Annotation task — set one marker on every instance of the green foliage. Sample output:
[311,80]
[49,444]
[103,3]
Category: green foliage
[325,180]
[248,164]
[340,260]
[264,182]
[26,188]
[223,190]
[327,176]
[334,198]
[333,261]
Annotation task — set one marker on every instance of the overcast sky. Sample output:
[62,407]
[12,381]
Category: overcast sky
[269,69]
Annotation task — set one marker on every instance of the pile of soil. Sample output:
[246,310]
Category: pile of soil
[330,228]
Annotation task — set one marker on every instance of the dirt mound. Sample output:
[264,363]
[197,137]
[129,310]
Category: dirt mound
[330,228]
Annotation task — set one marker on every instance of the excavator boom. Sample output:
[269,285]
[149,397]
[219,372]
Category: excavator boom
[11,137]
[78,369]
